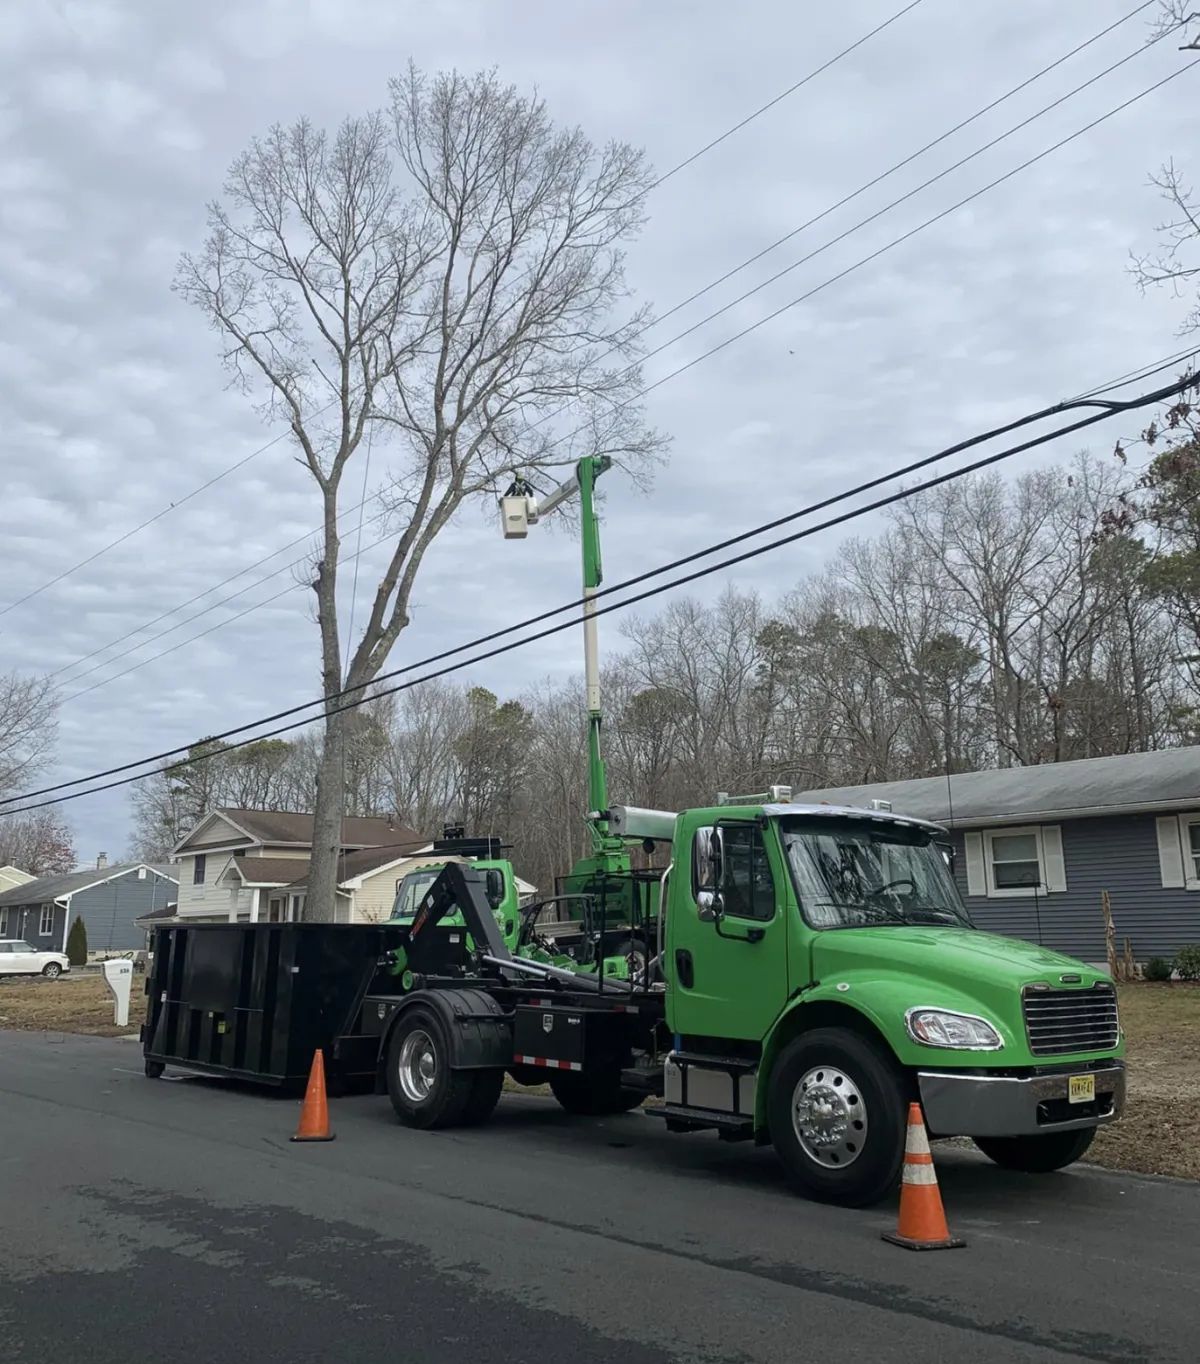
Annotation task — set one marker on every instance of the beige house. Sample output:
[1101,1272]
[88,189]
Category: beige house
[12,877]
[250,866]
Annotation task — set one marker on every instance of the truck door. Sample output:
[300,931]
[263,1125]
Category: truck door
[727,936]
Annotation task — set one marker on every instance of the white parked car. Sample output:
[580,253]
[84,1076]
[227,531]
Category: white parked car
[17,958]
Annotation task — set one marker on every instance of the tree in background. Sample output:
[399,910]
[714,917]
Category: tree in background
[77,943]
[439,282]
[492,753]
[37,841]
[270,774]
[28,727]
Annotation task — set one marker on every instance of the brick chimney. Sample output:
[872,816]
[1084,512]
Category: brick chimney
[101,861]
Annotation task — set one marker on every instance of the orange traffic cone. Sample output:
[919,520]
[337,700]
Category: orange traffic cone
[314,1114]
[922,1222]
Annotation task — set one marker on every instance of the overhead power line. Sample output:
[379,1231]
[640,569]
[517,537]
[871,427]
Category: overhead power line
[783,94]
[667,175]
[370,692]
[742,298]
[1144,372]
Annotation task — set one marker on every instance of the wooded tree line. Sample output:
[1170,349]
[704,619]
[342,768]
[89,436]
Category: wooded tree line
[993,623]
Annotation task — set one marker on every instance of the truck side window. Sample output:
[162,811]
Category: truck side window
[747,887]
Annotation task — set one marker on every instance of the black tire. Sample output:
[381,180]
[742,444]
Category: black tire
[52,970]
[424,1091]
[857,1100]
[593,1096]
[486,1088]
[154,1070]
[1037,1154]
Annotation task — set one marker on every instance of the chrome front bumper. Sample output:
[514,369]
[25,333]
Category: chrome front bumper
[964,1105]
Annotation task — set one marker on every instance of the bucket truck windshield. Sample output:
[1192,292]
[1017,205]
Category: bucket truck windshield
[849,875]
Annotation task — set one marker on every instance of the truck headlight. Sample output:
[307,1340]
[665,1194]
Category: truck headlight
[942,1028]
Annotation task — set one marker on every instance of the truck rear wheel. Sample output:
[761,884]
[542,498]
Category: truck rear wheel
[593,1095]
[1040,1153]
[486,1088]
[424,1090]
[836,1113]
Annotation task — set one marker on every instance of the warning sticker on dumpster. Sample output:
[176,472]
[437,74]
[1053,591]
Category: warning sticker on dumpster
[1081,1089]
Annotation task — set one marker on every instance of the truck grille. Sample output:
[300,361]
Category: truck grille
[1061,1021]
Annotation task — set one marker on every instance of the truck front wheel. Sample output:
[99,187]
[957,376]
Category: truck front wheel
[424,1090]
[836,1112]
[1038,1154]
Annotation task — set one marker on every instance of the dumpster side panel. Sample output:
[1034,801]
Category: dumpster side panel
[255,1001]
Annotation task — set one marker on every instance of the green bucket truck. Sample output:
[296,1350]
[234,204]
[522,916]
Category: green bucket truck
[817,973]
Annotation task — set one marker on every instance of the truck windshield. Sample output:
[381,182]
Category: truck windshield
[849,874]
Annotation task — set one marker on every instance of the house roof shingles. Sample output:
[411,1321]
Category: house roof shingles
[48,888]
[364,861]
[288,826]
[269,871]
[1166,779]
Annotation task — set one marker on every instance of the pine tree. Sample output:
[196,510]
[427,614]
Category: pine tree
[77,948]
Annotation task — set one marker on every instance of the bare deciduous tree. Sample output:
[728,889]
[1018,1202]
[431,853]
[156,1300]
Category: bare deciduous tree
[1182,17]
[37,841]
[444,278]
[1176,263]
[28,727]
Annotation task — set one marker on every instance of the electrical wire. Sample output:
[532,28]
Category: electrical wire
[1107,411]
[749,293]
[896,166]
[667,175]
[1146,371]
[761,529]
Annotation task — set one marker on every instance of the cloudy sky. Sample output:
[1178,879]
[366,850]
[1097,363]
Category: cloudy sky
[119,117]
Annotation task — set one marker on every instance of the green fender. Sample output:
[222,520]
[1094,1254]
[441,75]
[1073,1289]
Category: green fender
[880,1000]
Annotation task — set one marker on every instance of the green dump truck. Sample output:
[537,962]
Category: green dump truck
[813,971]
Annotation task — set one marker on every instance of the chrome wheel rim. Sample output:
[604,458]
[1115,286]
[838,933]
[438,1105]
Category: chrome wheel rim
[829,1117]
[418,1066]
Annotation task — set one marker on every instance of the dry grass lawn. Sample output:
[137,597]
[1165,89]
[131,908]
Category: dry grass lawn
[1159,1134]
[81,1005]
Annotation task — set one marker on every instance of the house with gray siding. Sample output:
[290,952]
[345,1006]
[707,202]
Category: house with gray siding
[107,898]
[1034,847]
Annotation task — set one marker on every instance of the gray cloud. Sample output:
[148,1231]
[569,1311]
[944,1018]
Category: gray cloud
[117,122]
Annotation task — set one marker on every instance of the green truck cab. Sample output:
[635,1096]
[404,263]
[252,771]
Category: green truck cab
[501,890]
[821,972]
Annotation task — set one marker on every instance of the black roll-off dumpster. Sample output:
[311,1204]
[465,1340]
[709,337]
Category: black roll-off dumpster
[255,1001]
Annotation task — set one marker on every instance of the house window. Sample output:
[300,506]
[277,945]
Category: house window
[297,909]
[1014,861]
[46,927]
[198,870]
[1179,850]
[1004,863]
[3,923]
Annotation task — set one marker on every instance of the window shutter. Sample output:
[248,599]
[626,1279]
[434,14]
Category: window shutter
[1054,868]
[1170,854]
[976,874]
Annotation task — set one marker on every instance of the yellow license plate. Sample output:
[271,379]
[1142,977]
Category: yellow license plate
[1081,1089]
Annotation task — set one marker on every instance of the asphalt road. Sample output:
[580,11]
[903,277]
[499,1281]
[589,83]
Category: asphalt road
[173,1221]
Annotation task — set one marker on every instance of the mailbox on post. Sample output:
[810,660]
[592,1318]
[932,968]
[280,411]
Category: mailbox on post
[118,976]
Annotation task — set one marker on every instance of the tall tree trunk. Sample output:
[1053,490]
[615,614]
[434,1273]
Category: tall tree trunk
[321,901]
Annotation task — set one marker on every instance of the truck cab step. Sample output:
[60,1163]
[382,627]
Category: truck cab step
[685,1118]
[742,1064]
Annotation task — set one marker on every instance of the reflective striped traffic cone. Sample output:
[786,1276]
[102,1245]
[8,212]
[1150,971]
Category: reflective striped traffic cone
[314,1114]
[922,1222]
